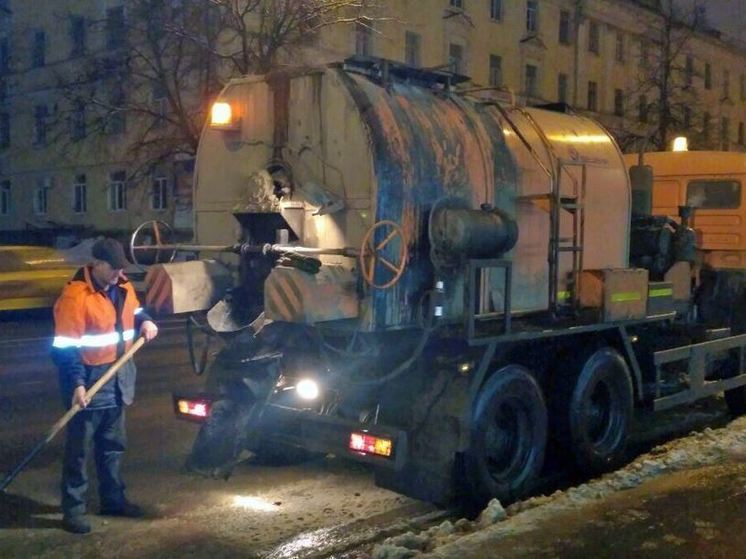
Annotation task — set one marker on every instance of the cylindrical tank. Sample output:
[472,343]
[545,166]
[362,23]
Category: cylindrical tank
[393,151]
[459,233]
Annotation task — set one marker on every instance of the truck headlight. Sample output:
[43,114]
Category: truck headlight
[307,389]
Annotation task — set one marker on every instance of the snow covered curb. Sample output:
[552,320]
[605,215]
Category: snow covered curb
[449,540]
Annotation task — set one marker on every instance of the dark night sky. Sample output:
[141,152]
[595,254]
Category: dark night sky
[726,15]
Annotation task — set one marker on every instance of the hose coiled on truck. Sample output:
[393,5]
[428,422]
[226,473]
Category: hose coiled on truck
[428,327]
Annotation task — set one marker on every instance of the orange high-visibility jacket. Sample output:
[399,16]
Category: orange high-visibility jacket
[85,318]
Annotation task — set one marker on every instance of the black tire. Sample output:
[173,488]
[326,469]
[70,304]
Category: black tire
[735,399]
[508,437]
[215,448]
[593,410]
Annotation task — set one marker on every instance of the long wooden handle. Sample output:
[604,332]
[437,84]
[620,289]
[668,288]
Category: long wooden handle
[106,377]
[65,419]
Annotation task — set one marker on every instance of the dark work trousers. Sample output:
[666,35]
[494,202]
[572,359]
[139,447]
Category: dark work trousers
[105,428]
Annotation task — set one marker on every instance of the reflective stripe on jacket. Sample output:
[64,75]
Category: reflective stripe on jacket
[85,318]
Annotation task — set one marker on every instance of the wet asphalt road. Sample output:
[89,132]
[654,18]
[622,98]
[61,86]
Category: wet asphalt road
[294,511]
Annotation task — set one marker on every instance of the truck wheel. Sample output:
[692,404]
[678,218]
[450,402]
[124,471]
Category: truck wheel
[508,436]
[594,410]
[214,450]
[735,398]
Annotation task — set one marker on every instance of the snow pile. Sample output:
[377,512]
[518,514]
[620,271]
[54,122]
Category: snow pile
[709,447]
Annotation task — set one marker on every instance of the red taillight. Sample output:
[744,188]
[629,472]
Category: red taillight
[193,409]
[369,444]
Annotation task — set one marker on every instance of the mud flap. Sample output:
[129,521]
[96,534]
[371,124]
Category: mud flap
[221,439]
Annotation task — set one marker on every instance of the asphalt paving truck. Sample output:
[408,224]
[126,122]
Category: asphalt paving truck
[421,277]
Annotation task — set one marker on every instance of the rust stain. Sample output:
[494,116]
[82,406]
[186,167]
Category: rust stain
[425,146]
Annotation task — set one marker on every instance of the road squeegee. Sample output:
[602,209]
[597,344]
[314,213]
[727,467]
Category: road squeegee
[65,419]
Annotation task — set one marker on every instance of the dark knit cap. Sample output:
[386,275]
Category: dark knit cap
[111,251]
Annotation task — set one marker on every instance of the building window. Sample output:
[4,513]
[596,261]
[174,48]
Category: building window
[642,115]
[39,49]
[689,71]
[496,10]
[4,130]
[592,96]
[532,81]
[706,126]
[117,191]
[159,199]
[456,58]
[644,54]
[40,125]
[618,102]
[117,118]
[725,133]
[41,195]
[593,37]
[80,195]
[708,76]
[532,16]
[5,197]
[457,4]
[363,40]
[77,121]
[564,27]
[562,88]
[115,28]
[412,42]
[496,70]
[4,56]
[726,84]
[619,48]
[740,134]
[78,33]
[687,118]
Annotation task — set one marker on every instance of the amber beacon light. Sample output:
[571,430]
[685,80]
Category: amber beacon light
[222,117]
[680,144]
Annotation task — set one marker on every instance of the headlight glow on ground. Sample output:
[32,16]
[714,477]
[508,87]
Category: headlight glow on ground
[254,503]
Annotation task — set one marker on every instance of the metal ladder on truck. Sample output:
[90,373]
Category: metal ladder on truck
[573,203]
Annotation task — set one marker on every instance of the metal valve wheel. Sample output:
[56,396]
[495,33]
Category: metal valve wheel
[141,241]
[371,254]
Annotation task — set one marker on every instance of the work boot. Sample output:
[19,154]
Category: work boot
[126,509]
[77,524]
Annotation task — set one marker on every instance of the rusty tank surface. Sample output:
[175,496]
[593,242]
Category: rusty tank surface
[429,281]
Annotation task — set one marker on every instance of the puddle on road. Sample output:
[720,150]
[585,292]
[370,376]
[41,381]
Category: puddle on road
[326,542]
[303,544]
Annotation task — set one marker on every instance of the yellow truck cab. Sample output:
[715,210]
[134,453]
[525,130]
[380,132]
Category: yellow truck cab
[711,183]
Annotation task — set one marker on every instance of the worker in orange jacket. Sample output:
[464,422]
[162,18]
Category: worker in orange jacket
[95,321]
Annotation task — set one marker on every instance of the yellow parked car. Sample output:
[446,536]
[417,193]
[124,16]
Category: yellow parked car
[32,276]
